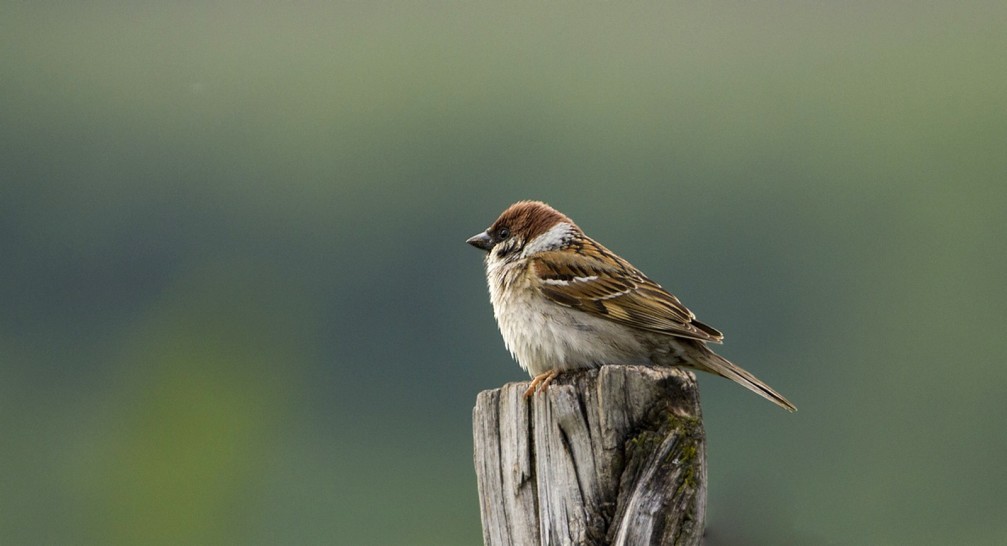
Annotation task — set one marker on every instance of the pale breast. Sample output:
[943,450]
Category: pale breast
[544,336]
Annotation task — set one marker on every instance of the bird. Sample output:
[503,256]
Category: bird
[563,302]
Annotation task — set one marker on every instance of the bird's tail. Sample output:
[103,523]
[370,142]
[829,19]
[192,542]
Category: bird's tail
[716,364]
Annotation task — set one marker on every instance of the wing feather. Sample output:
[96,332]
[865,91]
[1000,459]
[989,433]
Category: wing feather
[594,280]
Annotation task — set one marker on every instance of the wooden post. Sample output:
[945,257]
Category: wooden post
[614,455]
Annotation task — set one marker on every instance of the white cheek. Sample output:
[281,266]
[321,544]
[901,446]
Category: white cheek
[553,239]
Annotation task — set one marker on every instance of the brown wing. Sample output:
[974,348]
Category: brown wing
[608,287]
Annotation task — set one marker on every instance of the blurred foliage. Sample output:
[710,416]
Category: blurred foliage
[238,306]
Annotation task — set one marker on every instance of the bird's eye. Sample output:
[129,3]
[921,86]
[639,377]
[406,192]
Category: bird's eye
[503,233]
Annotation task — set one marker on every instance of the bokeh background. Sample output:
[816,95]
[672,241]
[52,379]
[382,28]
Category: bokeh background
[237,306]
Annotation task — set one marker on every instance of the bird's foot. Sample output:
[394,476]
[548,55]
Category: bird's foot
[541,382]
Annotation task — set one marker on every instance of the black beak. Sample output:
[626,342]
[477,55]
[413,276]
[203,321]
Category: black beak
[483,241]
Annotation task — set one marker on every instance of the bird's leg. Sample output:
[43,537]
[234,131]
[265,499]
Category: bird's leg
[541,382]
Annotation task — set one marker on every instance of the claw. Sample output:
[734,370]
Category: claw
[541,382]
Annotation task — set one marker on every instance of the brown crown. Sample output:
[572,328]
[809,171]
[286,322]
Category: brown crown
[529,219]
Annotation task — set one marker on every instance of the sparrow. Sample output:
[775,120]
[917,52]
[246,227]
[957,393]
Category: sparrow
[564,302]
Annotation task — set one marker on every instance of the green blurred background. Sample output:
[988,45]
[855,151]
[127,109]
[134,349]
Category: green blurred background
[238,306]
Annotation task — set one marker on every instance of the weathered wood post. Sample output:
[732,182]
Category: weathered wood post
[614,455]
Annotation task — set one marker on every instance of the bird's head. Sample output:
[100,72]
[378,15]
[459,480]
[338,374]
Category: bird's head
[524,229]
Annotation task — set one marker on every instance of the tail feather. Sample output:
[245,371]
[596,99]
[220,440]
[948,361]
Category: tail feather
[719,365]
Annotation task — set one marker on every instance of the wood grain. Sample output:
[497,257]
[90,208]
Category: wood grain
[614,455]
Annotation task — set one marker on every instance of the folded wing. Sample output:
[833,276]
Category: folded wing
[598,282]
